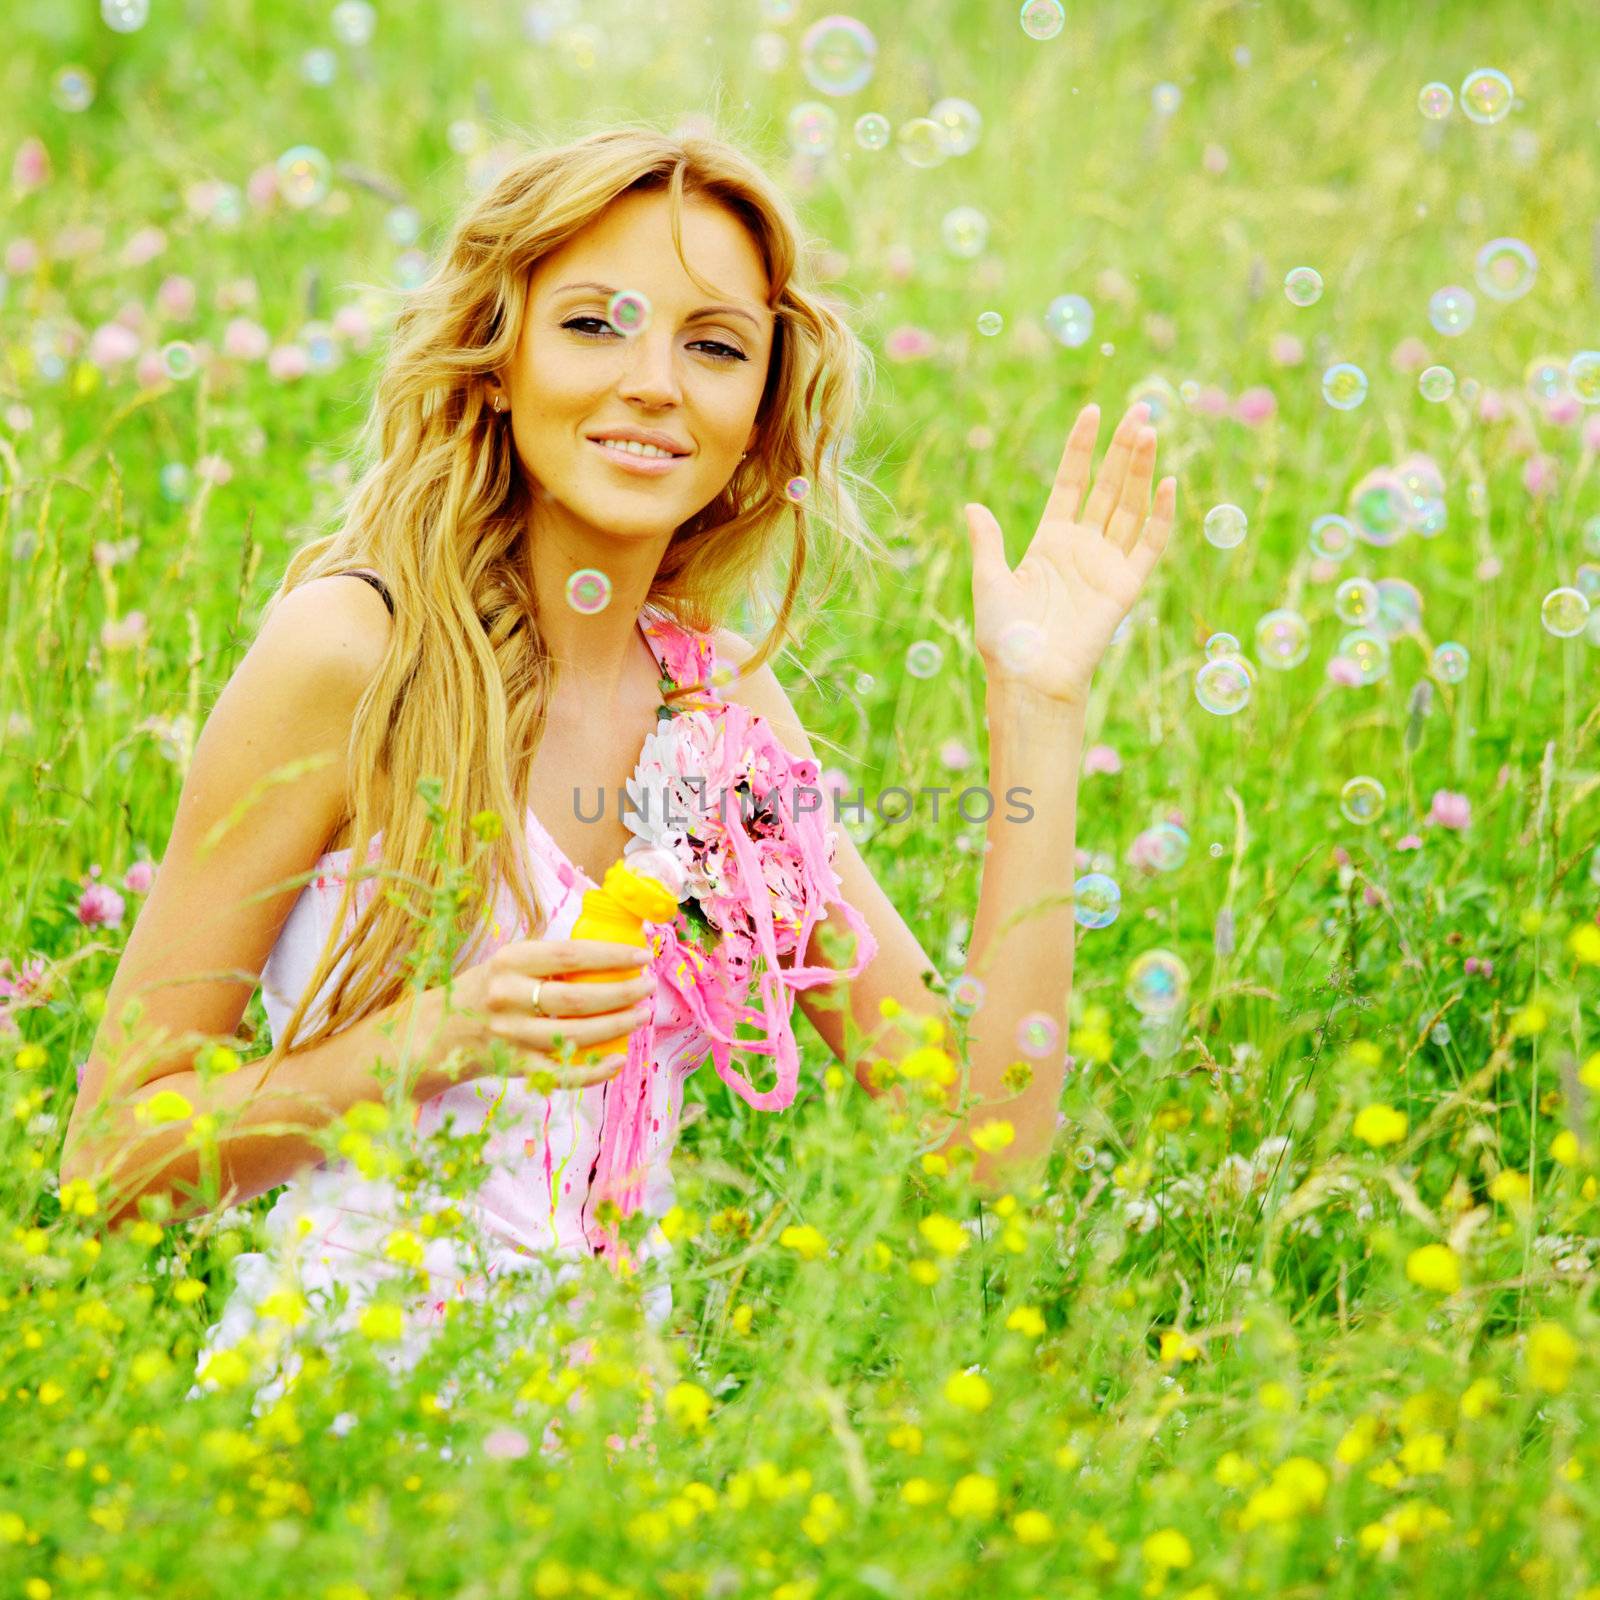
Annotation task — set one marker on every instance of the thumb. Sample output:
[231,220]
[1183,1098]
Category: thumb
[986,543]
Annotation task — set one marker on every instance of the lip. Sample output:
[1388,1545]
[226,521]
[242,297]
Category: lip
[643,466]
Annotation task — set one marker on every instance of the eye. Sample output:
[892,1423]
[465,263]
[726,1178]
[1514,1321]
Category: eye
[599,328]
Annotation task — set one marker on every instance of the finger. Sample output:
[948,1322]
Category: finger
[539,958]
[1108,486]
[1072,474]
[987,545]
[1158,530]
[549,1035]
[513,992]
[1133,504]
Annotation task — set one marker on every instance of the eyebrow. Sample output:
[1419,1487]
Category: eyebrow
[704,311]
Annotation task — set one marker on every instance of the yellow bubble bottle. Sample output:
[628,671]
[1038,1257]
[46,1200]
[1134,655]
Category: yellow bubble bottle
[647,890]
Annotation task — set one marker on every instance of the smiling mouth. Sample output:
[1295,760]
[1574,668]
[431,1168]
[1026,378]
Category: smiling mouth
[638,460]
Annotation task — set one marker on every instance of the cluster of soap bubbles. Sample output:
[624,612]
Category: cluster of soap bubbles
[1486,96]
[1386,504]
[1224,683]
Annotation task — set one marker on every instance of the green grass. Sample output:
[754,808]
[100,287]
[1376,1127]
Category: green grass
[1223,1352]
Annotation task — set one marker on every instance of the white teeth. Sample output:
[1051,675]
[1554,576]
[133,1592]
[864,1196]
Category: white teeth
[634,448]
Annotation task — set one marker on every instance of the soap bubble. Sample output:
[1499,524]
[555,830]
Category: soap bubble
[304,174]
[1071,319]
[178,360]
[1436,384]
[920,142]
[1332,537]
[1164,847]
[1399,607]
[961,122]
[965,231]
[403,224]
[1344,386]
[1355,601]
[796,489]
[1564,613]
[1362,800]
[72,89]
[965,994]
[1042,19]
[1166,98]
[924,658]
[1506,269]
[838,55]
[1021,644]
[588,591]
[1450,661]
[1221,645]
[1283,639]
[628,311]
[1303,286]
[1486,95]
[354,23]
[873,131]
[176,481]
[1225,526]
[1097,900]
[1451,310]
[1583,376]
[812,128]
[125,16]
[1546,378]
[319,67]
[1434,101]
[1223,687]
[1586,580]
[1381,504]
[990,323]
[1037,1035]
[1157,983]
[1368,653]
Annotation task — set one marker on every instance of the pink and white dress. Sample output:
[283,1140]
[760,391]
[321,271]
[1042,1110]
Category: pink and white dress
[550,1159]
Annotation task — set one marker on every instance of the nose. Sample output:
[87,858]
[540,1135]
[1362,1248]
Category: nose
[650,371]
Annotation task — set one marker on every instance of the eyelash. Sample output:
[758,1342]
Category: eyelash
[716,344]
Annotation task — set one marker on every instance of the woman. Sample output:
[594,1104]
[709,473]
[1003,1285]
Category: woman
[568,492]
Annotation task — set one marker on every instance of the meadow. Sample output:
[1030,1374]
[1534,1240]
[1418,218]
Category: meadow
[1303,1301]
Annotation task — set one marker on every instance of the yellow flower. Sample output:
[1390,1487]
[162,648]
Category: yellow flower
[1531,1019]
[405,1247]
[906,1436]
[742,1317]
[1298,1485]
[944,1234]
[805,1241]
[1379,1125]
[919,1492]
[1584,943]
[1178,1346]
[924,1272]
[77,1198]
[1026,1320]
[166,1105]
[823,1519]
[1167,1548]
[1274,1396]
[889,1007]
[1097,1545]
[1589,1072]
[1234,1471]
[1358,1441]
[927,1061]
[1565,1149]
[1032,1527]
[1435,1266]
[1424,1454]
[1551,1355]
[382,1323]
[283,1305]
[688,1405]
[1509,1187]
[1365,1053]
[935,1165]
[1479,1397]
[994,1136]
[969,1390]
[31,1057]
[1093,1044]
[973,1496]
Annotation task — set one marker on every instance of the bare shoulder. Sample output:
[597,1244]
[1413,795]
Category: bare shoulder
[336,628]
[761,692]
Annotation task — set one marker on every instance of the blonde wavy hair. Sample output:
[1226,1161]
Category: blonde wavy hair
[441,509]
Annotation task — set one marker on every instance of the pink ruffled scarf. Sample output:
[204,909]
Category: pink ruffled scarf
[706,985]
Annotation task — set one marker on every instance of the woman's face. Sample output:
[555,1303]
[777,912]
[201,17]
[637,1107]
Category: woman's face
[692,376]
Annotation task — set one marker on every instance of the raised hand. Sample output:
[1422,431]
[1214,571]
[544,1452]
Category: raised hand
[1045,624]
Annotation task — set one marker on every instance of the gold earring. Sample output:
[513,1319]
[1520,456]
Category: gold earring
[499,403]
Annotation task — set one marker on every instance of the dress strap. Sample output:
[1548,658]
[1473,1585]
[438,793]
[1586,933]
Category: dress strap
[371,577]
[684,656]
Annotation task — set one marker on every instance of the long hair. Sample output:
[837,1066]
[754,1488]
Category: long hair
[441,508]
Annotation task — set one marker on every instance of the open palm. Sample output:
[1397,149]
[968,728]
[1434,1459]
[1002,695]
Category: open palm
[1044,624]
